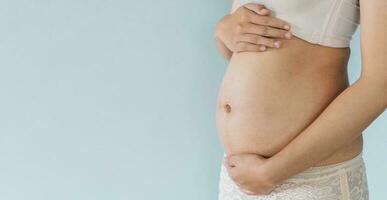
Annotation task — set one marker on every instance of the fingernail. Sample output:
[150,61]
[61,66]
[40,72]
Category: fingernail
[264,10]
[277,44]
[288,35]
[287,27]
[262,48]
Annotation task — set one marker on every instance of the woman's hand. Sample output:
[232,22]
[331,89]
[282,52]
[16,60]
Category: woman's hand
[250,173]
[250,28]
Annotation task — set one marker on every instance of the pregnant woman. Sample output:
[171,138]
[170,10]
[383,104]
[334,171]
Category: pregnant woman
[290,123]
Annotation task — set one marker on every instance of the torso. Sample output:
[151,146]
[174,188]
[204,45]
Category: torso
[267,98]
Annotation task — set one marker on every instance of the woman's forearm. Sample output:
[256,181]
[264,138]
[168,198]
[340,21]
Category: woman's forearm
[339,124]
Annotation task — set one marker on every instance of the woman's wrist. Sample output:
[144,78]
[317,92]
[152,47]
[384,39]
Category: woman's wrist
[223,49]
[219,28]
[226,52]
[275,170]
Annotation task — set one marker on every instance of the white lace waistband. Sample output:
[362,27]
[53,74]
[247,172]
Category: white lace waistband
[356,162]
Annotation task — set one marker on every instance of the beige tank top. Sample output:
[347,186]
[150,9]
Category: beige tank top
[326,22]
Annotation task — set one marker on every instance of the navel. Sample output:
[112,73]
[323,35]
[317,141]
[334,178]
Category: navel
[227,108]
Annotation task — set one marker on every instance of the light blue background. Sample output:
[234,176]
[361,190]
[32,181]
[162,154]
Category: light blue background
[115,100]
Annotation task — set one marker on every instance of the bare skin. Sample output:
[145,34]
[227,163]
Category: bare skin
[280,113]
[268,97]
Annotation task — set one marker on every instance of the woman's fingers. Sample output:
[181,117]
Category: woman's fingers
[266,31]
[245,46]
[257,8]
[251,28]
[259,40]
[267,21]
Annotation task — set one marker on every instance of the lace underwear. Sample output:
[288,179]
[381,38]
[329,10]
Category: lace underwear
[340,181]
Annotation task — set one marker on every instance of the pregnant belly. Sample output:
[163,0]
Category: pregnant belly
[268,98]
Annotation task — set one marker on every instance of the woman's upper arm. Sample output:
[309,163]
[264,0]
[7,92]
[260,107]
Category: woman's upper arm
[373,40]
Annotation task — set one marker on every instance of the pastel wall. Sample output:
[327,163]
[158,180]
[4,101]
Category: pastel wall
[115,100]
